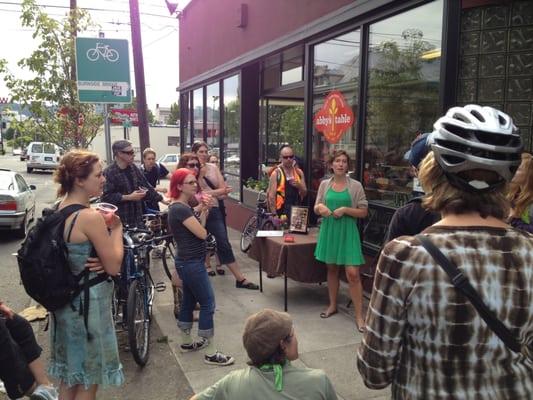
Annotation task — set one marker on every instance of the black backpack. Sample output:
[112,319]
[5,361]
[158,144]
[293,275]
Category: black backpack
[44,268]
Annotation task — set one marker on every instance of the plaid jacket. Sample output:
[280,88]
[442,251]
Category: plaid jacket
[117,184]
[428,340]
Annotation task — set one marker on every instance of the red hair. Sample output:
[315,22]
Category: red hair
[177,178]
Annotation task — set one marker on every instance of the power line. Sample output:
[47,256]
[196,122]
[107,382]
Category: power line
[90,9]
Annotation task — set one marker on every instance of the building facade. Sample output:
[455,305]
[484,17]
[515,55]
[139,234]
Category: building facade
[363,76]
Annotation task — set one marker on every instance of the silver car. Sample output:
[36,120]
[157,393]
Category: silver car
[17,202]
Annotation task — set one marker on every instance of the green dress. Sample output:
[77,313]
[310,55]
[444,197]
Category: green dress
[338,240]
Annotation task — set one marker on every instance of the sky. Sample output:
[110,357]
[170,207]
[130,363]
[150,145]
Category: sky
[159,32]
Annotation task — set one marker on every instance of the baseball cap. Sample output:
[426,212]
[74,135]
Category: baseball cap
[263,332]
[419,150]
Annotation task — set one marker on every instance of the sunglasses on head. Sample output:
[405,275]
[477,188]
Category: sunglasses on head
[130,153]
[193,165]
[288,157]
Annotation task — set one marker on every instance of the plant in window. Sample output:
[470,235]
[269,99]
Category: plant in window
[259,185]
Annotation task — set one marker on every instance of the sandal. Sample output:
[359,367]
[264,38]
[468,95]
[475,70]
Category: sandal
[247,285]
[210,272]
[325,314]
[220,270]
[360,329]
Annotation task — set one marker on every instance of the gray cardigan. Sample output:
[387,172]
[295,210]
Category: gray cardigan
[357,193]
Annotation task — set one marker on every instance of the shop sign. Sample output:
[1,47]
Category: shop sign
[120,115]
[334,118]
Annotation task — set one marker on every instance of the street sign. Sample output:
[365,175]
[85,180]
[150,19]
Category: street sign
[103,70]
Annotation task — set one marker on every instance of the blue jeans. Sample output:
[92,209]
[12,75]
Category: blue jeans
[196,289]
[215,225]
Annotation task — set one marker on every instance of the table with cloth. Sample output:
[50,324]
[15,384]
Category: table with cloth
[290,260]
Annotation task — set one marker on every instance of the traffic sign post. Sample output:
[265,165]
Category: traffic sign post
[103,70]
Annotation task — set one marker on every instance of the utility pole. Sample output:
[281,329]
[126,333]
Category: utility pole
[138,63]
[74,32]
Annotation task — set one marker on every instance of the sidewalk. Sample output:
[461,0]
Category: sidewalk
[329,344]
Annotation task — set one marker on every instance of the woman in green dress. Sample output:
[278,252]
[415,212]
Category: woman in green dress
[340,201]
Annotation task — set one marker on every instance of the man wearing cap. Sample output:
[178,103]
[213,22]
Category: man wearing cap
[126,187]
[271,345]
[412,218]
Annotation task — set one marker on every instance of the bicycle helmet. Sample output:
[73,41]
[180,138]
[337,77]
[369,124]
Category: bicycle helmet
[476,138]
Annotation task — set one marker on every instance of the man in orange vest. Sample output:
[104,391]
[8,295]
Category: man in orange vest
[287,184]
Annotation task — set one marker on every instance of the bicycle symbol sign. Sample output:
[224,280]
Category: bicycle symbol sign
[102,50]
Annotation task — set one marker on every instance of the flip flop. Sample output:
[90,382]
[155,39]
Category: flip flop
[360,329]
[325,314]
[220,270]
[210,272]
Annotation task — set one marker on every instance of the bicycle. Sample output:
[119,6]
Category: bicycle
[261,220]
[134,291]
[157,222]
[104,51]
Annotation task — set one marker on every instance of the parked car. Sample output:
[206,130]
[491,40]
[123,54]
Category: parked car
[24,154]
[43,155]
[16,151]
[170,161]
[17,202]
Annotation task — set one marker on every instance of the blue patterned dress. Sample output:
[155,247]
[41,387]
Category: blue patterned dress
[73,359]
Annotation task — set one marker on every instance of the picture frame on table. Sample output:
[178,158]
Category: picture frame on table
[299,219]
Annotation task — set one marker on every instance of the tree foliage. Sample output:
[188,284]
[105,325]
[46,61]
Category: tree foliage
[51,93]
[174,116]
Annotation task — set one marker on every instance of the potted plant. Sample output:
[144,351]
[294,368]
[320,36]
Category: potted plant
[252,188]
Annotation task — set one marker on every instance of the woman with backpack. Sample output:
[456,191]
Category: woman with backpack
[188,228]
[84,354]
[427,335]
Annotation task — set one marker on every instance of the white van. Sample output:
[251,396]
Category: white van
[43,155]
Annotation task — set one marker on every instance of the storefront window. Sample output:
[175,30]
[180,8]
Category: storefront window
[213,117]
[198,114]
[284,125]
[232,132]
[292,65]
[402,101]
[185,123]
[335,69]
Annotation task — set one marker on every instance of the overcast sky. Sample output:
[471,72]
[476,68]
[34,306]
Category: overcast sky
[159,38]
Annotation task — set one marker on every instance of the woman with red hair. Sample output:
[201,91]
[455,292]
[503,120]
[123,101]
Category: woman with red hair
[188,228]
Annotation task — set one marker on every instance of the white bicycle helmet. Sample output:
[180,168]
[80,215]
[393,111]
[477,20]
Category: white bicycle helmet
[476,138]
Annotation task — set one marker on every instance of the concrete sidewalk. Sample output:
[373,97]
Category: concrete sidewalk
[328,344]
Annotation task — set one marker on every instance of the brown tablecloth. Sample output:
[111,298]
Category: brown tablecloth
[298,257]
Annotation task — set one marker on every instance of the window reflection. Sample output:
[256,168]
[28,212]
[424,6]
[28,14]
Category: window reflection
[336,67]
[213,116]
[232,131]
[403,100]
[198,114]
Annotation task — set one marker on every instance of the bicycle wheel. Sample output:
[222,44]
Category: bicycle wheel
[248,233]
[168,255]
[92,54]
[138,321]
[112,55]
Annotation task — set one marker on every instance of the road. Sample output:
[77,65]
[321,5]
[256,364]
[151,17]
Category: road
[162,378]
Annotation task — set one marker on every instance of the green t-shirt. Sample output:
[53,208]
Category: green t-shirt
[250,383]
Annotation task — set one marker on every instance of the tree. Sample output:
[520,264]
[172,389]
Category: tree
[292,128]
[174,116]
[51,94]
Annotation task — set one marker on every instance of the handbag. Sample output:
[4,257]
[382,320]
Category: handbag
[463,285]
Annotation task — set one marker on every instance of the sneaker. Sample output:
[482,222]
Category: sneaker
[43,392]
[195,345]
[219,359]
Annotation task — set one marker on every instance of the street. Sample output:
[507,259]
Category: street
[161,378]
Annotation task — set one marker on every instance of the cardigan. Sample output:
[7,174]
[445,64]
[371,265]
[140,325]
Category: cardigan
[357,193]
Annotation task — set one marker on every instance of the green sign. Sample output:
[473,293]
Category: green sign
[103,70]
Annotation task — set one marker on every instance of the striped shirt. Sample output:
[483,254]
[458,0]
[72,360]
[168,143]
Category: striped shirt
[428,341]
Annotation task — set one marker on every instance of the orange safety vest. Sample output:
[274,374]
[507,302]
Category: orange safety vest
[281,180]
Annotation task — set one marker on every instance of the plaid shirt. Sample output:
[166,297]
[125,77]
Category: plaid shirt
[117,184]
[428,340]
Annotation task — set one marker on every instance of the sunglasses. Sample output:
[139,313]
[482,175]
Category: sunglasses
[288,157]
[130,153]
[191,183]
[193,165]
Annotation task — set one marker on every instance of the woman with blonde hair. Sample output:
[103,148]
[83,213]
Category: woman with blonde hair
[426,334]
[521,195]
[79,361]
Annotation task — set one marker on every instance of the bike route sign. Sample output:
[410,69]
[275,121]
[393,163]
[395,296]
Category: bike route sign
[103,70]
